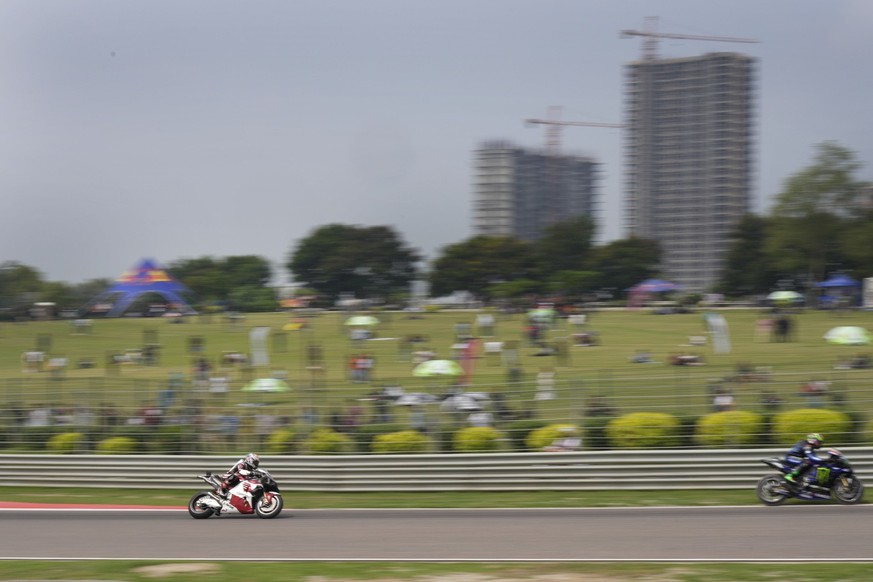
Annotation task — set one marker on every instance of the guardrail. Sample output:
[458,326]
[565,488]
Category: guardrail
[583,471]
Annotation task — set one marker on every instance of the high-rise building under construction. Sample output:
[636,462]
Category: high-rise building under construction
[689,159]
[519,192]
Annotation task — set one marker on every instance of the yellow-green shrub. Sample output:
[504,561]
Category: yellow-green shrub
[476,439]
[280,442]
[729,428]
[323,441]
[641,430]
[542,437]
[406,441]
[119,445]
[64,443]
[793,425]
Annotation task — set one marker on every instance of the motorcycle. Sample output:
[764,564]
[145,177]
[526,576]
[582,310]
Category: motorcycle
[833,478]
[256,493]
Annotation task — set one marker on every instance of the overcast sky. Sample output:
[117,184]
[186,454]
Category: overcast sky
[176,129]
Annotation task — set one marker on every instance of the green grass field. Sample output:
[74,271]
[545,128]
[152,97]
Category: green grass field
[780,368]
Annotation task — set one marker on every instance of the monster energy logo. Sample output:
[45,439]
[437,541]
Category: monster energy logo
[822,474]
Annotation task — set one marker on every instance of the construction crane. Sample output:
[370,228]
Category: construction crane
[554,124]
[651,35]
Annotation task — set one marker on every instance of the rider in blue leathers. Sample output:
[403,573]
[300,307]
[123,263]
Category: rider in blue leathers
[804,453]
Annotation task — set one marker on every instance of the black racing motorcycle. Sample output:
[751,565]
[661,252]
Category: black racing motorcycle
[834,479]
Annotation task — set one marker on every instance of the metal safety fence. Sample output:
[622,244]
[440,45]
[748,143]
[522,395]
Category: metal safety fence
[593,471]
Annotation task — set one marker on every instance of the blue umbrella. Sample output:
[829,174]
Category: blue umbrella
[655,286]
[838,281]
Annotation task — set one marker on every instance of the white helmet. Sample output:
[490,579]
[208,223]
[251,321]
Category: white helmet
[252,460]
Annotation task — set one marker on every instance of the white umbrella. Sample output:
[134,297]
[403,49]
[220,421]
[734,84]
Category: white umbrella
[415,398]
[784,296]
[362,320]
[460,402]
[848,335]
[437,368]
[266,385]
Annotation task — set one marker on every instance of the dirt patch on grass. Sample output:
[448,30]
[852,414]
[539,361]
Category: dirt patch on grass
[162,570]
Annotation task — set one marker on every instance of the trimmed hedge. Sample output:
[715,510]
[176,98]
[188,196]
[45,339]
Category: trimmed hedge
[323,441]
[477,439]
[402,442]
[729,428]
[793,425]
[117,445]
[643,430]
[540,438]
[518,431]
[280,442]
[65,443]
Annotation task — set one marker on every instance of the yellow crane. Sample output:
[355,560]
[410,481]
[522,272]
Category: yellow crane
[651,35]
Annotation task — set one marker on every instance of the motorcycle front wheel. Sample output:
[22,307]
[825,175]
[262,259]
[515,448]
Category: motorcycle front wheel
[771,490]
[848,490]
[269,508]
[197,509]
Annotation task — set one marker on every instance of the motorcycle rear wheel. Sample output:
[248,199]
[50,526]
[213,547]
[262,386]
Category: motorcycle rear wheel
[771,490]
[849,493]
[196,509]
[269,509]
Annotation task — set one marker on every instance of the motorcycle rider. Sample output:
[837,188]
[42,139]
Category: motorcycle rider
[234,475]
[803,451]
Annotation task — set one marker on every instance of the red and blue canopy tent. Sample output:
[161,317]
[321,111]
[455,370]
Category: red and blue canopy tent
[146,277]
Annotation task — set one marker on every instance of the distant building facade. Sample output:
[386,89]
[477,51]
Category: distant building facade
[519,192]
[689,159]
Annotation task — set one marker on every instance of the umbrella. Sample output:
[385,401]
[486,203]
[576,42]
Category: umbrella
[460,402]
[838,281]
[266,385]
[415,399]
[542,314]
[654,286]
[848,335]
[437,368]
[362,320]
[784,296]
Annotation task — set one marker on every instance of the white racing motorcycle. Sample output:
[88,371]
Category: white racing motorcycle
[256,493]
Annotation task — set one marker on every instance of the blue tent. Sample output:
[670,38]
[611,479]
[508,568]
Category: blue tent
[146,277]
[654,286]
[838,281]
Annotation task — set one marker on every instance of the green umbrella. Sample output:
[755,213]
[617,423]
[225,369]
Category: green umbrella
[848,335]
[267,385]
[437,368]
[784,296]
[362,320]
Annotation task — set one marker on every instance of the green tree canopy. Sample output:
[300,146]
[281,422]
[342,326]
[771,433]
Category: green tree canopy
[624,263]
[479,263]
[747,269]
[810,211]
[371,262]
[219,280]
[566,245]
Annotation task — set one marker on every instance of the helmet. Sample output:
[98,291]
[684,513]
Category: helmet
[815,439]
[252,460]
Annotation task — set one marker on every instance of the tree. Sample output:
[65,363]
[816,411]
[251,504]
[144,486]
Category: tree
[19,284]
[811,209]
[215,280]
[482,263]
[566,245]
[371,262]
[624,263]
[747,268]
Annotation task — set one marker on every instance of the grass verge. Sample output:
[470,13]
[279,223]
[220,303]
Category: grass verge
[134,571]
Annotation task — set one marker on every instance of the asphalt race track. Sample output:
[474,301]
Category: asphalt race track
[793,532]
